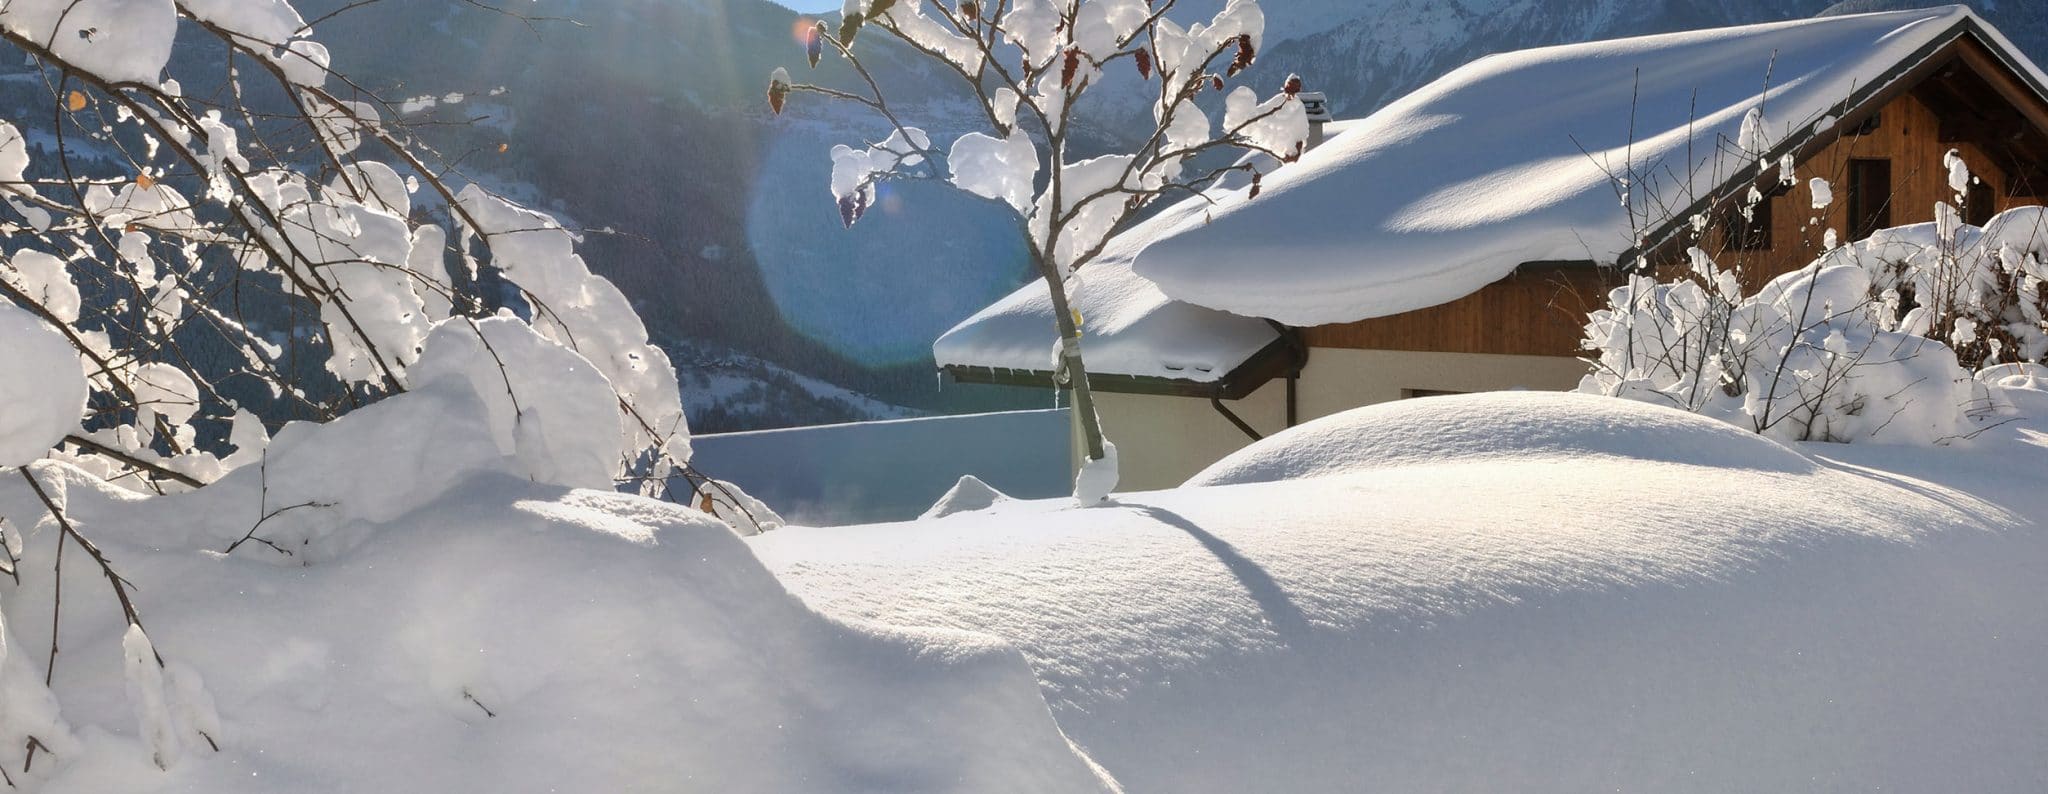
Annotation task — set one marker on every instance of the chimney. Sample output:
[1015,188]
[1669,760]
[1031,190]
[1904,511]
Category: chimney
[1318,108]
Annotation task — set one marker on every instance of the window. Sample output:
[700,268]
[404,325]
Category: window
[1979,204]
[1747,233]
[1870,196]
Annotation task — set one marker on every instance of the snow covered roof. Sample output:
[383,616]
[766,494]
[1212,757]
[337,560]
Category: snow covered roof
[1507,159]
[1129,326]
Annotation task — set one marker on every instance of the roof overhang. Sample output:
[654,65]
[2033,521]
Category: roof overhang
[1277,359]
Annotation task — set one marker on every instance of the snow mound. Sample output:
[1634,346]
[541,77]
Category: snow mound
[966,496]
[42,389]
[1625,619]
[412,612]
[1464,428]
[547,405]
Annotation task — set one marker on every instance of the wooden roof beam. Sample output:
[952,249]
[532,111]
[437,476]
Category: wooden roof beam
[2031,106]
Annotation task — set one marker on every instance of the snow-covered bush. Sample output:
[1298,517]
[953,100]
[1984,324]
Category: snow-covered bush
[1874,340]
[193,261]
[1028,64]
[215,271]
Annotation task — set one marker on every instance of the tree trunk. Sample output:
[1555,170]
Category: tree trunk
[1070,353]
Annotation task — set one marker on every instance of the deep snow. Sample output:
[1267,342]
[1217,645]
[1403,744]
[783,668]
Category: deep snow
[431,619]
[1548,589]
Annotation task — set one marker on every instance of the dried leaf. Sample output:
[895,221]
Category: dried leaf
[75,102]
[778,90]
[1245,54]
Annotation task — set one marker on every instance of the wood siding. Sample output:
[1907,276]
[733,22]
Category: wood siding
[1538,310]
[1909,136]
[1961,99]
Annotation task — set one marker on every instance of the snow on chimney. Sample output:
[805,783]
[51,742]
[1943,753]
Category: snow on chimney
[1318,107]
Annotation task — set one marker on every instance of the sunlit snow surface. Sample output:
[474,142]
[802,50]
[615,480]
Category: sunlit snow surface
[429,618]
[1508,160]
[1567,592]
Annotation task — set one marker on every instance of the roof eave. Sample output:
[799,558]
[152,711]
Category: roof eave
[1273,361]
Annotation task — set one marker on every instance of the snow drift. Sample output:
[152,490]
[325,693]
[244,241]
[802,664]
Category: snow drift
[1547,589]
[393,602]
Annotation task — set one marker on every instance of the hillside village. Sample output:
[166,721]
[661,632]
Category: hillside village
[1645,412]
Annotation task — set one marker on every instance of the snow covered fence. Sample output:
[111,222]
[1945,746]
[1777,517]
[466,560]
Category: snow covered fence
[891,470]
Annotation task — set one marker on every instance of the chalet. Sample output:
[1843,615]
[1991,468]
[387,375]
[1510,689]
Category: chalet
[1454,240]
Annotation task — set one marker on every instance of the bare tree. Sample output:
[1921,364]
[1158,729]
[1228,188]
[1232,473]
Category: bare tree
[197,250]
[1028,64]
[257,238]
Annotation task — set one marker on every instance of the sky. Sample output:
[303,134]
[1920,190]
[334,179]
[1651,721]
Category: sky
[812,6]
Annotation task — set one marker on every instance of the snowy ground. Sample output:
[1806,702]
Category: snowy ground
[434,620]
[1565,592]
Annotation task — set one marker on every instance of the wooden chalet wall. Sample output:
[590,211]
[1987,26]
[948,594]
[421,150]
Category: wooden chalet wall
[1539,310]
[1960,99]
[1958,107]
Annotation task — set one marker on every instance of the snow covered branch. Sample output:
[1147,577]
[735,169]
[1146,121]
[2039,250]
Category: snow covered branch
[1912,335]
[1027,64]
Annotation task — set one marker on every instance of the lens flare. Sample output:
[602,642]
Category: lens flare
[879,293]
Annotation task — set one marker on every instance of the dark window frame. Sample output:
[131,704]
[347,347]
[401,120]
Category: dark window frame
[1870,196]
[1980,202]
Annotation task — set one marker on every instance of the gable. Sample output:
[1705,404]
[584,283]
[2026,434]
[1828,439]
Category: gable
[1958,96]
[1961,94]
[1558,153]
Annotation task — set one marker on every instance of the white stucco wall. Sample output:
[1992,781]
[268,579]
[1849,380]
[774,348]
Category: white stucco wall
[1161,441]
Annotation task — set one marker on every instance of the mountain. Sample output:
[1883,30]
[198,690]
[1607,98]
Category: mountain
[646,118]
[2023,21]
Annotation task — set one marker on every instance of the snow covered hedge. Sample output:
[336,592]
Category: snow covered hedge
[1917,334]
[216,269]
[245,331]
